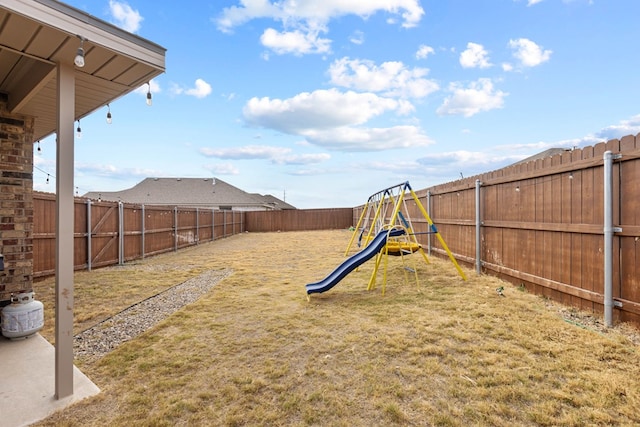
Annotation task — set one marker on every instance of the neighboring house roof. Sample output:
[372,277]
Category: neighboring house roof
[203,192]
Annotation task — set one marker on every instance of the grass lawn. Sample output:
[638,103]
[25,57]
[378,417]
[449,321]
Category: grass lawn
[254,351]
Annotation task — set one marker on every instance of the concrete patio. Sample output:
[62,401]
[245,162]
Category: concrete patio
[27,388]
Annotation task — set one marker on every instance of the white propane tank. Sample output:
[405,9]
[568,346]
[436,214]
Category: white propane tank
[23,317]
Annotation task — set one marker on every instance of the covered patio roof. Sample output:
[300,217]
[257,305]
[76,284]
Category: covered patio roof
[36,35]
[38,43]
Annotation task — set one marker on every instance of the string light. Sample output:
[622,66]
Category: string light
[149,100]
[78,130]
[109,114]
[79,59]
[39,149]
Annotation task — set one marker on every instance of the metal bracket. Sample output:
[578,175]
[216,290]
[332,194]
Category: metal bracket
[617,304]
[617,229]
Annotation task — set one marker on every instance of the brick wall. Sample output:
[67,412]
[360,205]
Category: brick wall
[16,202]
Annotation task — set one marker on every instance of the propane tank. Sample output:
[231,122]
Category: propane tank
[23,317]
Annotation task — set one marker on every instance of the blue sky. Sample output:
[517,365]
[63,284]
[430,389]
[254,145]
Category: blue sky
[324,103]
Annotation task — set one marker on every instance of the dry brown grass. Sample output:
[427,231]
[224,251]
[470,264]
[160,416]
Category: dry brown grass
[253,351]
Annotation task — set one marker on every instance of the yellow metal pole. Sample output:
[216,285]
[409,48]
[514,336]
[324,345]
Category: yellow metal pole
[366,207]
[384,276]
[440,239]
[372,280]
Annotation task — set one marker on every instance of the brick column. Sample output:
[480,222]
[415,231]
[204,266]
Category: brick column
[16,202]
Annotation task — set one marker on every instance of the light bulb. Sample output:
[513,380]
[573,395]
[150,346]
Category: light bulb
[149,100]
[78,131]
[79,59]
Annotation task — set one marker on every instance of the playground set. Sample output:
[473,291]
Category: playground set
[384,228]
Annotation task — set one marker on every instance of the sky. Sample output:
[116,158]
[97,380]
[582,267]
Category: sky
[324,103]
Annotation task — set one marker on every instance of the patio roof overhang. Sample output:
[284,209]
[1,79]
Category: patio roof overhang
[38,43]
[37,35]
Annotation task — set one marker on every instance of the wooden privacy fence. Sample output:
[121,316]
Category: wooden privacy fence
[550,225]
[299,220]
[108,233]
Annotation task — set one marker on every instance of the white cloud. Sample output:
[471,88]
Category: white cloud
[424,51]
[303,20]
[391,78]
[296,42]
[475,56]
[246,152]
[124,16]
[279,155]
[467,163]
[507,67]
[369,139]
[321,109]
[529,53]
[332,119]
[477,97]
[111,171]
[624,128]
[357,37]
[201,89]
[302,159]
[289,11]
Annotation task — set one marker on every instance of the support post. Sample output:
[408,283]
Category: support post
[89,230]
[213,224]
[64,232]
[120,233]
[197,226]
[175,228]
[478,229]
[142,235]
[608,231]
[429,212]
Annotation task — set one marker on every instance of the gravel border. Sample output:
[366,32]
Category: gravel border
[107,335]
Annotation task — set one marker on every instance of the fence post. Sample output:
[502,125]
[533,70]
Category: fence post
[120,233]
[478,229]
[89,235]
[197,226]
[142,226]
[608,230]
[428,213]
[175,228]
[213,224]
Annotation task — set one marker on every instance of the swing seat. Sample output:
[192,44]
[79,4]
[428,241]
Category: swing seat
[402,248]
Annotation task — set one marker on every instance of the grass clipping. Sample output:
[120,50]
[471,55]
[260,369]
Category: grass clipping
[254,351]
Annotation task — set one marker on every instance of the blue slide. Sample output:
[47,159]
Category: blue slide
[354,261]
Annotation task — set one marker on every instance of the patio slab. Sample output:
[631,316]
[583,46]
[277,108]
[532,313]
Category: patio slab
[27,386]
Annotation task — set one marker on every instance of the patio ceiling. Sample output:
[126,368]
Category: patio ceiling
[35,35]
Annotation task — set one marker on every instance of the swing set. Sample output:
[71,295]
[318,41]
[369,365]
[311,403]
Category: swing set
[388,210]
